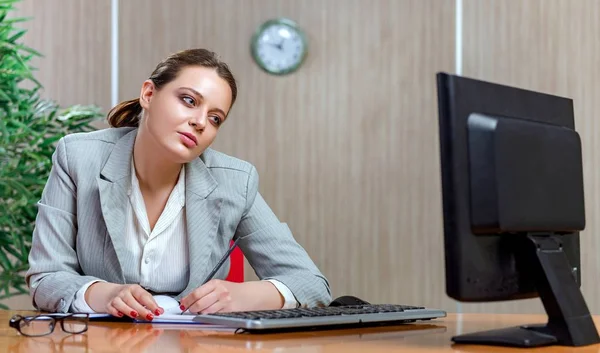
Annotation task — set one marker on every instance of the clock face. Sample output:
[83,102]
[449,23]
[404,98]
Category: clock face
[279,46]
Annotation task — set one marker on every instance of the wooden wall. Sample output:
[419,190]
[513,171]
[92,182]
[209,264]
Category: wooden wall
[74,38]
[346,147]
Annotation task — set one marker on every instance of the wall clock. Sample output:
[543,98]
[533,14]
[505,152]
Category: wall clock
[279,46]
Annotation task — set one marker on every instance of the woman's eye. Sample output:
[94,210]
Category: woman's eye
[216,120]
[188,100]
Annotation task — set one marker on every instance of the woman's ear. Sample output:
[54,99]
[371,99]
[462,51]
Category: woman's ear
[146,93]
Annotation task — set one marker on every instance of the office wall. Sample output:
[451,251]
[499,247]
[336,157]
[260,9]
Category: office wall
[550,46]
[74,38]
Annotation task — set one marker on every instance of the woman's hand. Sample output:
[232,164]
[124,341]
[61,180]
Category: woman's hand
[223,296]
[126,299]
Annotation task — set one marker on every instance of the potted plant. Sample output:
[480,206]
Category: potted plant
[29,129]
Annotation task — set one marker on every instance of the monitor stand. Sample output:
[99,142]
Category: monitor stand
[569,319]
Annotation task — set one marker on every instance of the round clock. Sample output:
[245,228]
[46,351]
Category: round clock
[279,46]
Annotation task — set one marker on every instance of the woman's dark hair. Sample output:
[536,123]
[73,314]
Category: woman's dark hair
[128,113]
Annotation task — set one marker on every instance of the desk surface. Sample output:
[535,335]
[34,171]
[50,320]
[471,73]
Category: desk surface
[126,337]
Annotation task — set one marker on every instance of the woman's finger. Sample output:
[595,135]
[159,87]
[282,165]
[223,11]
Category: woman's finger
[215,308]
[138,308]
[146,299]
[204,302]
[197,294]
[118,305]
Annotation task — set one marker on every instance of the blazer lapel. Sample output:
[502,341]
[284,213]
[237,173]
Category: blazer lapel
[202,220]
[114,184]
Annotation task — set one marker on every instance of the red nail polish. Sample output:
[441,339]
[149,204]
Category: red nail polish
[120,314]
[157,312]
[134,313]
[182,307]
[149,317]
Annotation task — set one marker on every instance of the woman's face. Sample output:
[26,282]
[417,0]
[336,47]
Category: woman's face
[183,117]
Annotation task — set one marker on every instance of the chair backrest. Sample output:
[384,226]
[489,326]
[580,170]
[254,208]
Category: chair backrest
[236,268]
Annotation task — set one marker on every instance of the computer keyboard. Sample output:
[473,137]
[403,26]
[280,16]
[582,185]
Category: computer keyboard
[318,312]
[321,317]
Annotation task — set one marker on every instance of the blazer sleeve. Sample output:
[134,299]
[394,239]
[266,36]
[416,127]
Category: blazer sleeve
[273,253]
[54,274]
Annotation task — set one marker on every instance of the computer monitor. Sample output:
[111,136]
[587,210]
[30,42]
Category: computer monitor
[513,206]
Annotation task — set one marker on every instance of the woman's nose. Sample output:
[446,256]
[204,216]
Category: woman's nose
[198,122]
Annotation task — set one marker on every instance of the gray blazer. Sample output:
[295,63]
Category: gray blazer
[79,229]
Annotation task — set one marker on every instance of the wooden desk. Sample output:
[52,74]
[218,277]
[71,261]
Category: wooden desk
[123,337]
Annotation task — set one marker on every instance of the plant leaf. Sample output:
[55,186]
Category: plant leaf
[4,261]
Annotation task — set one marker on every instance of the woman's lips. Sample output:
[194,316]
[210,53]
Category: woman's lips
[188,139]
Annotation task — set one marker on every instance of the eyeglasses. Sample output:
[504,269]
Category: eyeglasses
[41,325]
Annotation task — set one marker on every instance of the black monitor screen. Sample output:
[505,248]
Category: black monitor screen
[510,161]
[513,206]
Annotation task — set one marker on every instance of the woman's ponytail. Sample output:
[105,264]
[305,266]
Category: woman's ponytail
[126,113]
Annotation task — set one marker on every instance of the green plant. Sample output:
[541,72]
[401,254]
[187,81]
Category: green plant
[29,129]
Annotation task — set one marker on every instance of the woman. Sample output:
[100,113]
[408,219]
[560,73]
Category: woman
[146,207]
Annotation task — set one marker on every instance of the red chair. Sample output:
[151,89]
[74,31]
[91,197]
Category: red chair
[236,268]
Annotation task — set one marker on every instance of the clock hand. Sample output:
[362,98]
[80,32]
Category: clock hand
[278,46]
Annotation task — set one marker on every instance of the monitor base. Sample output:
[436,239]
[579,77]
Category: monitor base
[522,336]
[569,319]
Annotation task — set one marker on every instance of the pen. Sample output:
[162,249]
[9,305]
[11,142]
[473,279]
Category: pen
[221,262]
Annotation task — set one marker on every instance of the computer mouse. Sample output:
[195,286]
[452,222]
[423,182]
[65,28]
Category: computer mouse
[348,300]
